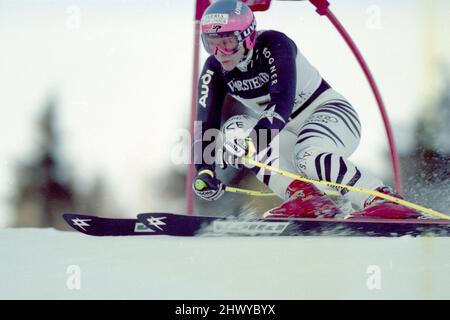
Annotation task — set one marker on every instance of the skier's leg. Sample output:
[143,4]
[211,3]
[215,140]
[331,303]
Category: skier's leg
[326,140]
[309,201]
[324,143]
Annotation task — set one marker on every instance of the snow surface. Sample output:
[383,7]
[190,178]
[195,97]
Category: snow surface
[35,263]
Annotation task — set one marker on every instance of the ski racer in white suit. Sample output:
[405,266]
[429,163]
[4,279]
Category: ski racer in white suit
[309,127]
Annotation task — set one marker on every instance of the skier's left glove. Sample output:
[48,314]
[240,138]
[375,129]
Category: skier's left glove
[207,186]
[240,148]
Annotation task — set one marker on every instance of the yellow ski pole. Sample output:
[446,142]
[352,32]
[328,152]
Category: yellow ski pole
[351,188]
[250,192]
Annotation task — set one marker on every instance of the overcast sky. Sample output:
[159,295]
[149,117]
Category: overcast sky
[121,71]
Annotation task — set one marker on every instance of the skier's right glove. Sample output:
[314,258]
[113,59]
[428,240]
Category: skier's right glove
[207,186]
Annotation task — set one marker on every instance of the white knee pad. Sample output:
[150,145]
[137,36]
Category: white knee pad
[304,157]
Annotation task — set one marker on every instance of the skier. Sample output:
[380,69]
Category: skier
[310,127]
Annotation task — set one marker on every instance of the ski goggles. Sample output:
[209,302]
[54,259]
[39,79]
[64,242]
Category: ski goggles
[227,43]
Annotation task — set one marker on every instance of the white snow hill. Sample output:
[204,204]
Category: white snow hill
[49,264]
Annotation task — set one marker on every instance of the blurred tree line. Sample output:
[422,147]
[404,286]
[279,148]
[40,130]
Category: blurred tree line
[44,186]
[426,166]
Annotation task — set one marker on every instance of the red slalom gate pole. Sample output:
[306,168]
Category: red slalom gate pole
[200,6]
[323,9]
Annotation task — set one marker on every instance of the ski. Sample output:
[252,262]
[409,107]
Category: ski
[188,225]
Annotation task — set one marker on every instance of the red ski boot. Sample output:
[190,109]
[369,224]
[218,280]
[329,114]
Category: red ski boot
[376,207]
[304,201]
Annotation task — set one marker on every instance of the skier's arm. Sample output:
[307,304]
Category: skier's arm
[211,93]
[280,56]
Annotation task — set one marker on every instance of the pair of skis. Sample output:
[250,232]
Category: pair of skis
[169,224]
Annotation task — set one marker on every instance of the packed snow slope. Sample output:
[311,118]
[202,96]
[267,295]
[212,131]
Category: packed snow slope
[49,264]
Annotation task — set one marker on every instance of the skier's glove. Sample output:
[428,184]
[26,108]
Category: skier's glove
[240,148]
[207,186]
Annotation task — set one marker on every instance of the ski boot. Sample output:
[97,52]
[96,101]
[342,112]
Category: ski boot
[304,201]
[377,207]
